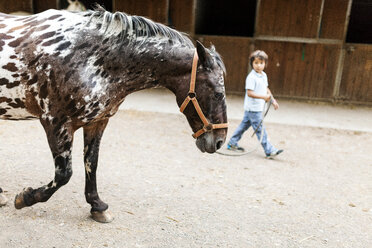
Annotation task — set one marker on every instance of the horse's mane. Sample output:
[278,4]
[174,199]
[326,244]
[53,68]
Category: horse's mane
[139,28]
[136,27]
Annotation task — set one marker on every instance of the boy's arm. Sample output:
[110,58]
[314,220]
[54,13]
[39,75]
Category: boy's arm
[253,94]
[273,101]
[250,85]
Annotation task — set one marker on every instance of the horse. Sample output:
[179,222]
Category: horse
[72,70]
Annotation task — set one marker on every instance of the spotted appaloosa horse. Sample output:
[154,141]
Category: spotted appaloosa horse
[73,70]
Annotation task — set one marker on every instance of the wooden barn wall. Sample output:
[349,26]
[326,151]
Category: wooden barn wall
[42,5]
[181,14]
[295,70]
[289,18]
[301,69]
[235,52]
[155,10]
[332,25]
[19,5]
[356,83]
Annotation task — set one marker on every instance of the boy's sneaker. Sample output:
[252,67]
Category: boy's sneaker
[274,154]
[235,148]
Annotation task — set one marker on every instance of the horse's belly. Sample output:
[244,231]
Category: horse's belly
[15,114]
[14,109]
[12,91]
[12,99]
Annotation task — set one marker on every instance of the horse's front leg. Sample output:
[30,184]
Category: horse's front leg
[92,139]
[3,199]
[60,137]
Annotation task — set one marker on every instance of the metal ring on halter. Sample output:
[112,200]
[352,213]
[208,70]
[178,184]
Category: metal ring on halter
[208,127]
[192,95]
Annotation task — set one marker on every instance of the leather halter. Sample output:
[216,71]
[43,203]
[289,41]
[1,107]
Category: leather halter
[208,127]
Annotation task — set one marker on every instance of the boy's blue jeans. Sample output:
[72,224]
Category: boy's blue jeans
[252,119]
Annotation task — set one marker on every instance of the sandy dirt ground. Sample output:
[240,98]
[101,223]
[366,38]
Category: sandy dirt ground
[165,193]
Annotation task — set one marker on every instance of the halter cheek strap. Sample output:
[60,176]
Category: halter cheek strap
[208,127]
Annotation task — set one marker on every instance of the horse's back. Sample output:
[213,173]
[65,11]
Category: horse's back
[28,46]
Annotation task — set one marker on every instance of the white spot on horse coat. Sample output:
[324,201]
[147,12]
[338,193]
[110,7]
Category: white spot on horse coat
[97,88]
[88,168]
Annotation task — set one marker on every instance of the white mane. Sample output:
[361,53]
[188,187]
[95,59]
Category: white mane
[136,27]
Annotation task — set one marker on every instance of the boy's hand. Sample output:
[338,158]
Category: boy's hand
[267,97]
[275,104]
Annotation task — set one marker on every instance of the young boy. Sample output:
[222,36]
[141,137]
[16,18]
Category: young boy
[257,94]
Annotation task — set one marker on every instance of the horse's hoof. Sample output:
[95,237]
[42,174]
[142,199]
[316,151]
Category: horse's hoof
[103,217]
[3,200]
[19,201]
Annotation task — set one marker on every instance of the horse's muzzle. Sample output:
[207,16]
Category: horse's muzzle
[210,142]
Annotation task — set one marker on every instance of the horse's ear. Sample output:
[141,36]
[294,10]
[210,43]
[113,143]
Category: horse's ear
[205,57]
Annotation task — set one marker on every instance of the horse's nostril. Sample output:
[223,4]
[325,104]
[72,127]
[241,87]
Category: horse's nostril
[219,144]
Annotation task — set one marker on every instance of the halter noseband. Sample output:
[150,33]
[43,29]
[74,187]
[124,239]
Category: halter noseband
[208,127]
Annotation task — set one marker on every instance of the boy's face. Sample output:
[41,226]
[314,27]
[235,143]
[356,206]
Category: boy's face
[258,65]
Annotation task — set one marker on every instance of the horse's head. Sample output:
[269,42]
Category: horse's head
[204,105]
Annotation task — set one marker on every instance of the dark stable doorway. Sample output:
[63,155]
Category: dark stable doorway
[221,17]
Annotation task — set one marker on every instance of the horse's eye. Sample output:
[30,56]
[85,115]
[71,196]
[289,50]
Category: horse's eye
[219,96]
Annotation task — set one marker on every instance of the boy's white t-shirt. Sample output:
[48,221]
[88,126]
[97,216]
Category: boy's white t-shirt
[258,83]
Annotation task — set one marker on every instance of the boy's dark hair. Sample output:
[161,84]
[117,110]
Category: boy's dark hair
[258,54]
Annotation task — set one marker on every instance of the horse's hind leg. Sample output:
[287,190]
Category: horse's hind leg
[60,139]
[92,138]
[3,199]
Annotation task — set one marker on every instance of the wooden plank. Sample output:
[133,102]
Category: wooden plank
[181,15]
[156,10]
[235,53]
[42,5]
[19,5]
[301,70]
[301,81]
[318,72]
[356,82]
[296,18]
[333,19]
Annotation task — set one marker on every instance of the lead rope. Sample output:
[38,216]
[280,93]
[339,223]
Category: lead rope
[266,109]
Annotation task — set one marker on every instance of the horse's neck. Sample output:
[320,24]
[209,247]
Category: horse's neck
[159,68]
